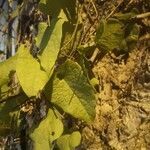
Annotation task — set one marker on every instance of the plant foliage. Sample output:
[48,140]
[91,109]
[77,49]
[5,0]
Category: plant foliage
[67,88]
[61,81]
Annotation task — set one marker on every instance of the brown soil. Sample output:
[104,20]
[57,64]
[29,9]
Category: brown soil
[123,102]
[123,106]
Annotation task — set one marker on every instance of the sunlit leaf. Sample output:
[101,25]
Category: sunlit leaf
[69,142]
[5,68]
[47,131]
[94,82]
[50,44]
[71,91]
[31,77]
[42,30]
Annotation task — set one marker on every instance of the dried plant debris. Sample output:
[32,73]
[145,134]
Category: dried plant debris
[123,106]
[123,100]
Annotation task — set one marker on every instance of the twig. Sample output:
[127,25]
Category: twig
[94,55]
[145,37]
[48,20]
[89,15]
[73,34]
[130,2]
[141,16]
[114,9]
[94,8]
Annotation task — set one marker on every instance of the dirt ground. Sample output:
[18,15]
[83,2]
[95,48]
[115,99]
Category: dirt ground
[123,106]
[123,102]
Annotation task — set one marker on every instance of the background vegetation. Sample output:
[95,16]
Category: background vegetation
[80,75]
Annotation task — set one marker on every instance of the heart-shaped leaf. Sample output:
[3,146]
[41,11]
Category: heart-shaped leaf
[5,68]
[31,77]
[110,34]
[47,131]
[72,92]
[69,142]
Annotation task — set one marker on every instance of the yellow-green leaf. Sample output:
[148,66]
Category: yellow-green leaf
[50,44]
[72,92]
[31,77]
[125,17]
[47,131]
[52,8]
[69,142]
[5,68]
[42,32]
[110,34]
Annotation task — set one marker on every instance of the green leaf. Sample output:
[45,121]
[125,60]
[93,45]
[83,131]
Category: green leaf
[43,1]
[8,110]
[110,34]
[42,37]
[75,139]
[72,92]
[94,82]
[52,8]
[133,36]
[134,33]
[71,34]
[69,142]
[47,131]
[69,7]
[126,16]
[67,39]
[87,48]
[31,77]
[5,68]
[51,47]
